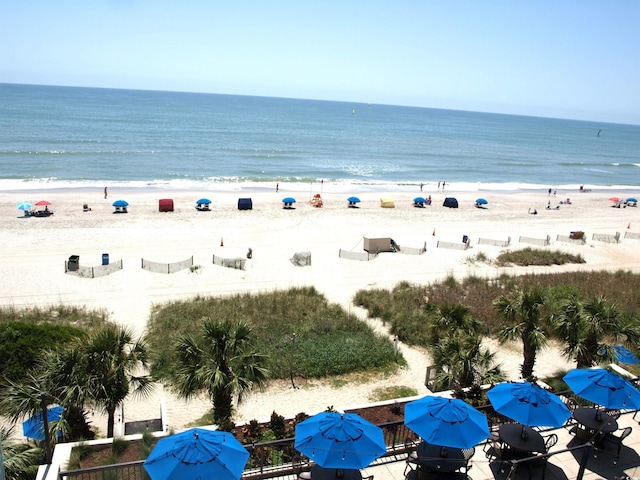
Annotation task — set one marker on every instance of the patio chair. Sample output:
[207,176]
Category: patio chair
[412,462]
[468,454]
[301,467]
[616,440]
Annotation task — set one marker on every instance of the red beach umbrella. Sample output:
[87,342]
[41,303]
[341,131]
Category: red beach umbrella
[42,203]
[613,199]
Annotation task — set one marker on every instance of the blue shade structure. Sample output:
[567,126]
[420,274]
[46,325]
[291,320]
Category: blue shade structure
[120,203]
[448,422]
[339,440]
[33,427]
[624,355]
[528,404]
[197,454]
[203,201]
[24,206]
[481,201]
[604,388]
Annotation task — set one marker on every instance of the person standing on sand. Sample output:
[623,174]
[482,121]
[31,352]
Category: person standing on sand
[438,185]
[277,187]
[443,185]
[105,192]
[421,185]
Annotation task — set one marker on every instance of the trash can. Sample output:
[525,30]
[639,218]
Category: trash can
[105,259]
[74,263]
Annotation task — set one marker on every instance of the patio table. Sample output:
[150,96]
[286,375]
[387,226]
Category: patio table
[319,473]
[440,459]
[511,434]
[594,422]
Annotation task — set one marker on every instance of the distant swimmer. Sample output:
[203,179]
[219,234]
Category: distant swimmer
[599,132]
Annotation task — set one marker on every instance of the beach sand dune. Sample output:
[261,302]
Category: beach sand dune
[35,249]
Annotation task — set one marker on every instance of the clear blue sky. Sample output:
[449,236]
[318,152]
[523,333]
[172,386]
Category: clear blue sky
[557,58]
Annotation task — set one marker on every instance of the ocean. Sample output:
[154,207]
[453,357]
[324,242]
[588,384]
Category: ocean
[68,137]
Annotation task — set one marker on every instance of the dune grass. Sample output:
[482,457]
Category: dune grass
[328,340]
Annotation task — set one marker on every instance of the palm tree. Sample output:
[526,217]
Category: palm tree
[586,327]
[221,362]
[20,460]
[110,360]
[448,319]
[523,312]
[461,362]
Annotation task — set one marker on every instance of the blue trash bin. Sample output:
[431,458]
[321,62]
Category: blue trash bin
[105,259]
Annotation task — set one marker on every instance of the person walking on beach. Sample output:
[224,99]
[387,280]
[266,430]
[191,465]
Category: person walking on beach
[421,185]
[105,192]
[438,185]
[277,187]
[443,185]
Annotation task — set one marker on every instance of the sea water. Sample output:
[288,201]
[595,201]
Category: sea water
[68,137]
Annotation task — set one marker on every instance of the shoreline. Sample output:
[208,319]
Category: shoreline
[35,250]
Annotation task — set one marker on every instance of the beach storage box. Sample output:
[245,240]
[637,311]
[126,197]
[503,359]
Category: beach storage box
[166,205]
[377,245]
[73,263]
[245,204]
[387,203]
[105,259]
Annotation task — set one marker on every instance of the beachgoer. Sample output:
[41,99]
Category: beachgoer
[250,253]
[421,185]
[438,185]
[549,192]
[105,192]
[443,184]
[554,192]
[277,187]
[429,200]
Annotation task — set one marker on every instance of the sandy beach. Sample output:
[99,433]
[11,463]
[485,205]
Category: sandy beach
[35,249]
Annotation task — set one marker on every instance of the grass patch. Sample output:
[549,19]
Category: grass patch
[389,393]
[530,256]
[328,340]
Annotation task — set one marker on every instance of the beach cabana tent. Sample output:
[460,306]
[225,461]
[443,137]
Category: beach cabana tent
[165,205]
[387,203]
[450,202]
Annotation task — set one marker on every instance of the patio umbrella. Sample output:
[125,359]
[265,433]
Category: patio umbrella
[33,427]
[288,200]
[120,203]
[604,388]
[43,203]
[624,355]
[481,201]
[197,453]
[339,440]
[448,422]
[24,206]
[528,404]
[420,200]
[353,200]
[203,201]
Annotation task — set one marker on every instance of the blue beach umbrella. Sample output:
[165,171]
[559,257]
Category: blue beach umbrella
[353,200]
[203,201]
[288,200]
[447,422]
[197,453]
[33,427]
[120,203]
[481,201]
[24,206]
[624,355]
[528,404]
[339,440]
[632,199]
[604,388]
[420,200]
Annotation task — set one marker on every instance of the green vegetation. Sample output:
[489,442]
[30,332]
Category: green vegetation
[328,340]
[390,393]
[530,256]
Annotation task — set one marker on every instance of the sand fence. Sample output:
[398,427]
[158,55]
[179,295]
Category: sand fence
[166,267]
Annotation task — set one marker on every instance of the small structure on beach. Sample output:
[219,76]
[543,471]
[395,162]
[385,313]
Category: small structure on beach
[165,205]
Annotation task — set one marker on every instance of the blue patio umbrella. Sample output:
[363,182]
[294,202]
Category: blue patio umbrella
[197,453]
[448,422]
[339,440]
[203,201]
[624,355]
[420,200]
[604,388]
[120,203]
[353,200]
[288,200]
[528,404]
[33,427]
[481,201]
[632,199]
[24,206]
